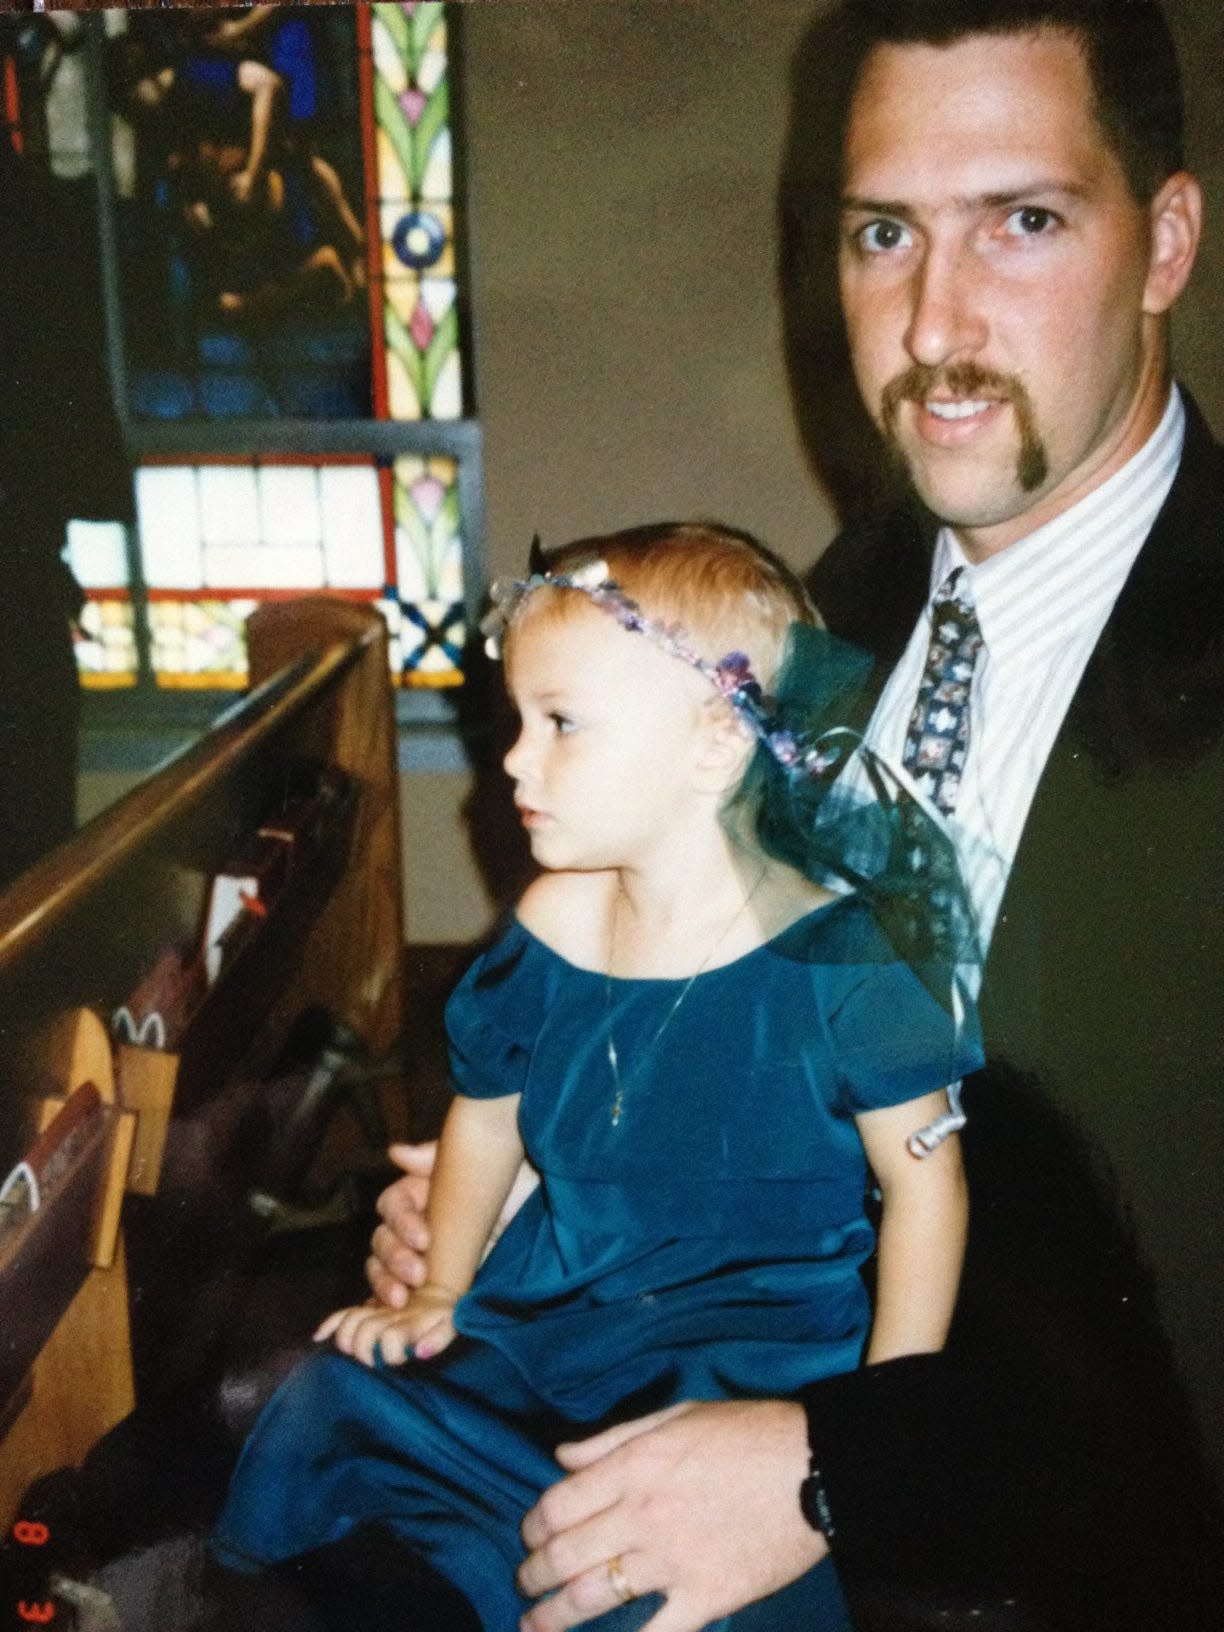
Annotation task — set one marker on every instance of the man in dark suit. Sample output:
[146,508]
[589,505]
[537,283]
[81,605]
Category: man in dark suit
[1015,225]
[61,457]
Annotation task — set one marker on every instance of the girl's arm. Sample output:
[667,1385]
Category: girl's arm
[922,1232]
[479,1155]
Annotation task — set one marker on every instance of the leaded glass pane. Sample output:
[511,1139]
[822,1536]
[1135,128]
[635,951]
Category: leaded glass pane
[168,517]
[229,506]
[353,541]
[199,643]
[289,506]
[105,644]
[263,566]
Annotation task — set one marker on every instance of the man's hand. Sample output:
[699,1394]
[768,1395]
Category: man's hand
[699,1502]
[398,1246]
[424,1328]
[397,1249]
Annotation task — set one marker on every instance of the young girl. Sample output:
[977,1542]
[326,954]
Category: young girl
[698,1047]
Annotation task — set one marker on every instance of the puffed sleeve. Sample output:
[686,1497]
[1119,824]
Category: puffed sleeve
[494,1016]
[894,1042]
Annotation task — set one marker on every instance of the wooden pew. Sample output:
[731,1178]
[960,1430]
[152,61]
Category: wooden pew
[80,932]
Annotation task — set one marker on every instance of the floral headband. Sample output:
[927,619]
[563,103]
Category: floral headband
[731,676]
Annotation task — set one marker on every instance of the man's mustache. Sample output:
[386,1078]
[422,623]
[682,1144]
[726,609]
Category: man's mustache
[968,381]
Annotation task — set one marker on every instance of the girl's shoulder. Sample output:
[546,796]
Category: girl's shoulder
[568,912]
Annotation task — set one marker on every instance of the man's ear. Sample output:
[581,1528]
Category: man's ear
[724,750]
[1177,226]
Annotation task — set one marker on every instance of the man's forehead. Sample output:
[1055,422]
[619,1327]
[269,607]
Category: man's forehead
[984,116]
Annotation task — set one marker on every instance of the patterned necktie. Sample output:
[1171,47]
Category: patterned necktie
[938,736]
[934,754]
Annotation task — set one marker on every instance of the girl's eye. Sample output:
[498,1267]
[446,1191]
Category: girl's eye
[879,237]
[561,724]
[1030,221]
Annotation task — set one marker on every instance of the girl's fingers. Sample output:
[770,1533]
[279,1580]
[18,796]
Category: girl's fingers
[342,1325]
[436,1338]
[325,1330]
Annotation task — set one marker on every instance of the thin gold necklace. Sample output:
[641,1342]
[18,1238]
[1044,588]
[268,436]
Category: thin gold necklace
[618,1083]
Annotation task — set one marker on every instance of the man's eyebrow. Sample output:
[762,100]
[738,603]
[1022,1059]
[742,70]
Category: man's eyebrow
[898,210]
[1022,195]
[877,206]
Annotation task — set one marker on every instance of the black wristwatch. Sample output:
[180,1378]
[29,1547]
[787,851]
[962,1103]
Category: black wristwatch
[814,1503]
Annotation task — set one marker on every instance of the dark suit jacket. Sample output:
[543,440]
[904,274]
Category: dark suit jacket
[61,456]
[1053,1451]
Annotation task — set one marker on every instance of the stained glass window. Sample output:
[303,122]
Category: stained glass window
[415,270]
[287,331]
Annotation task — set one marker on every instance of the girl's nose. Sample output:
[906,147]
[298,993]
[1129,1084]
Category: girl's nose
[515,761]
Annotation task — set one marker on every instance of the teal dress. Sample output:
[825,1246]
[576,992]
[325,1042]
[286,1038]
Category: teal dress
[705,1244]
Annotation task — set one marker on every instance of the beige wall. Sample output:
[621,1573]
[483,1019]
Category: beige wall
[622,158]
[622,166]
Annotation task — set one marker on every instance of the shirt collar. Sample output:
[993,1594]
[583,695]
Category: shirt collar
[1091,548]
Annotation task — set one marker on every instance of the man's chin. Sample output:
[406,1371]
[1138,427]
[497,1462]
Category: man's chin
[970,499]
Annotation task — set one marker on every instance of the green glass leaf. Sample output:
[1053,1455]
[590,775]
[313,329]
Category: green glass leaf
[424,20]
[444,341]
[392,121]
[395,20]
[434,118]
[402,344]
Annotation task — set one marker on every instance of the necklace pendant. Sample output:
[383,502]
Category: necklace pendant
[617,1107]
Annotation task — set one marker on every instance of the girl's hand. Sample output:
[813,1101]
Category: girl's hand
[423,1328]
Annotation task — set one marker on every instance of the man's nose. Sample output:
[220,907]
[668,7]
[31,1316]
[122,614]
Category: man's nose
[946,321]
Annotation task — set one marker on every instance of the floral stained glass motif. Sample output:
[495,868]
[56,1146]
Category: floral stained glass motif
[428,626]
[420,376]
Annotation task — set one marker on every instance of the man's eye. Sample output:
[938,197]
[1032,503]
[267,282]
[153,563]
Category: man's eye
[878,237]
[1030,221]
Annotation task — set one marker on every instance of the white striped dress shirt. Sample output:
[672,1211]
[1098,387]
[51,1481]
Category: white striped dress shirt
[1041,604]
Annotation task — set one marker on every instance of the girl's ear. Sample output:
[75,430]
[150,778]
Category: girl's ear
[724,749]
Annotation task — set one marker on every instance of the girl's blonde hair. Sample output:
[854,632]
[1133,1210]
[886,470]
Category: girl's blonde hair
[722,586]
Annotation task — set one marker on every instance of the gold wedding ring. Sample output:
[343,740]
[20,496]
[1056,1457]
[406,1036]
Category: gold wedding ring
[616,1580]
